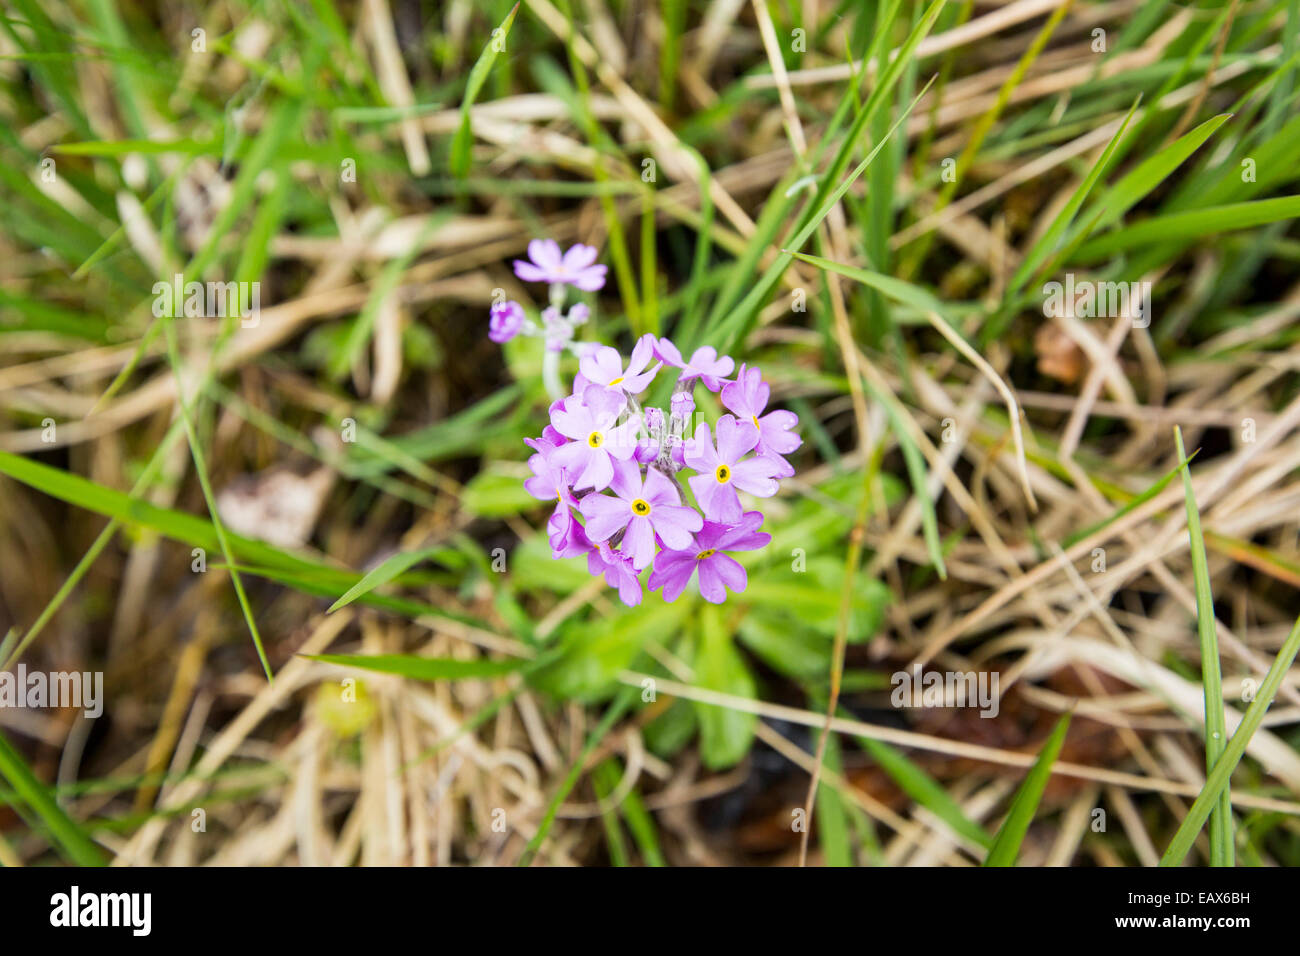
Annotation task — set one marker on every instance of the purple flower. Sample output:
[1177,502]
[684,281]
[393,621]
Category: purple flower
[681,404]
[722,472]
[575,267]
[718,572]
[566,535]
[747,396]
[505,320]
[618,572]
[604,366]
[645,509]
[549,481]
[595,441]
[704,364]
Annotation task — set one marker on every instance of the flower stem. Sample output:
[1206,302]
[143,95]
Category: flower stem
[551,374]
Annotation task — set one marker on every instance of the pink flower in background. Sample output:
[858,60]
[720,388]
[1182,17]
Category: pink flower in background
[642,510]
[575,267]
[722,472]
[747,396]
[604,366]
[718,572]
[504,321]
[704,364]
[595,442]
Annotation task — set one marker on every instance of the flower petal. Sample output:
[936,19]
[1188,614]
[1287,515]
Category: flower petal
[711,587]
[598,473]
[665,349]
[735,439]
[605,515]
[578,257]
[756,476]
[659,489]
[675,523]
[672,572]
[698,452]
[546,253]
[639,542]
[729,570]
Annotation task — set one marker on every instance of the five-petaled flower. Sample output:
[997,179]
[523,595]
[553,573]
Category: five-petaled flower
[722,472]
[747,396]
[604,366]
[705,364]
[575,267]
[595,441]
[643,509]
[718,572]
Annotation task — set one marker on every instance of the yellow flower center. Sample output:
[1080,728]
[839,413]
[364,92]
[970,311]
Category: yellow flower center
[754,419]
[616,381]
[596,439]
[641,507]
[723,474]
[706,554]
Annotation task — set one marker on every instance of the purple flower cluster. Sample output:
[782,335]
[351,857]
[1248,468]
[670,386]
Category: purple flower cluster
[611,467]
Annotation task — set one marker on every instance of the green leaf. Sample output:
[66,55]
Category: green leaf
[1006,844]
[592,653]
[1216,730]
[1047,243]
[1216,782]
[925,790]
[810,599]
[725,734]
[1135,502]
[464,140]
[491,494]
[393,566]
[66,832]
[672,730]
[803,655]
[1182,228]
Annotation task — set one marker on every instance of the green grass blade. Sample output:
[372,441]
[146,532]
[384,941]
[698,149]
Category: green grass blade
[1181,228]
[1133,503]
[464,139]
[925,790]
[1216,731]
[1006,844]
[67,833]
[1216,782]
[377,577]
